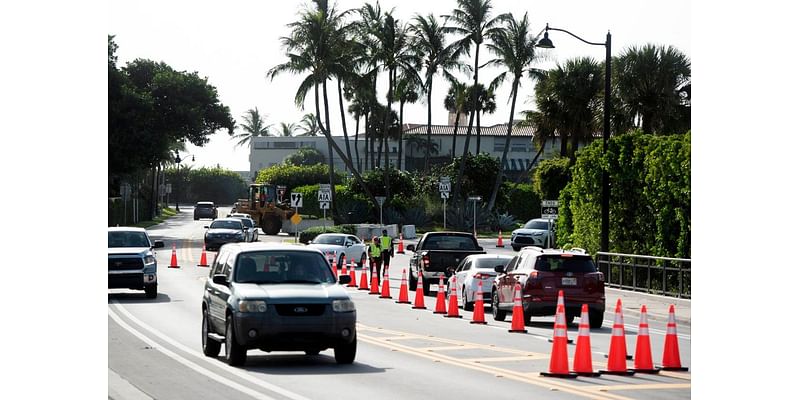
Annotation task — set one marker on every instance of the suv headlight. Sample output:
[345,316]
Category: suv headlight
[538,233]
[149,260]
[252,306]
[343,306]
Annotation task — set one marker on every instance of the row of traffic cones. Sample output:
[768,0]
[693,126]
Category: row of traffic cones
[617,357]
[173,262]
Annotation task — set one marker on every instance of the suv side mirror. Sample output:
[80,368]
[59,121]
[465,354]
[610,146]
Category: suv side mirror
[158,244]
[344,279]
[411,247]
[221,279]
[499,268]
[206,227]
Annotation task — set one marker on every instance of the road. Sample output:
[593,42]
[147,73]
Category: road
[154,349]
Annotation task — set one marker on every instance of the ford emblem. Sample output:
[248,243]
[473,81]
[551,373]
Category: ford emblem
[300,310]
[118,263]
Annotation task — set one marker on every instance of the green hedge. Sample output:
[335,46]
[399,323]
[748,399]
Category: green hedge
[205,184]
[309,234]
[522,201]
[294,176]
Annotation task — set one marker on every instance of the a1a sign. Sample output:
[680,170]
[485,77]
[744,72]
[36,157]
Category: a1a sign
[550,209]
[444,185]
[297,200]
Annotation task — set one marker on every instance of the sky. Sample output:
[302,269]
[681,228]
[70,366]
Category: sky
[234,43]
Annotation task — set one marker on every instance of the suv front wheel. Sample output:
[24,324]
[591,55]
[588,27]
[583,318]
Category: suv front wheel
[345,353]
[497,313]
[235,354]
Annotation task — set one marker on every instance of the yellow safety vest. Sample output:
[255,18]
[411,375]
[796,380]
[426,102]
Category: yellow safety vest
[386,243]
[374,250]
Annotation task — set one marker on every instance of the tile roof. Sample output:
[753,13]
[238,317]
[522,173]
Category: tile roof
[494,130]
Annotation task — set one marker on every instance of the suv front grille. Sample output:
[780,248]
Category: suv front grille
[524,239]
[296,310]
[124,263]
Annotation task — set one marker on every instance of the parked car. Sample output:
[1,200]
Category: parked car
[205,209]
[224,230]
[438,253]
[276,297]
[247,221]
[132,260]
[533,233]
[541,274]
[473,269]
[343,246]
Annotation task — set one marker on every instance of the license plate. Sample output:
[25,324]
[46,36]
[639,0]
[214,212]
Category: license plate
[569,281]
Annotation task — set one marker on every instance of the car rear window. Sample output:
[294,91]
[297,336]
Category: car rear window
[490,263]
[273,266]
[564,263]
[450,243]
[247,222]
[204,206]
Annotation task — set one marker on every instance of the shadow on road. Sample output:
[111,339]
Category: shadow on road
[137,297]
[301,364]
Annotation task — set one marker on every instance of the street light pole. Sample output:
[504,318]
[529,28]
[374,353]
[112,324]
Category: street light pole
[177,173]
[605,183]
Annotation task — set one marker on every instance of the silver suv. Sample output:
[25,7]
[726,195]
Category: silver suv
[276,297]
[132,261]
[533,233]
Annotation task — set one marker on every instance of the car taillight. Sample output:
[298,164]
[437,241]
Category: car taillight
[532,281]
[426,260]
[482,276]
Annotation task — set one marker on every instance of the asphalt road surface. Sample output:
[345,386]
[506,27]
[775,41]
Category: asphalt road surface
[154,346]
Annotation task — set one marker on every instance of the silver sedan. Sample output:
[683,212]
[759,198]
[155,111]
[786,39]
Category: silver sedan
[473,269]
[342,246]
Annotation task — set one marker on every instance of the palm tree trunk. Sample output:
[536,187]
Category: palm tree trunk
[330,148]
[507,144]
[344,122]
[386,119]
[400,140]
[428,147]
[355,145]
[457,190]
[455,133]
[478,133]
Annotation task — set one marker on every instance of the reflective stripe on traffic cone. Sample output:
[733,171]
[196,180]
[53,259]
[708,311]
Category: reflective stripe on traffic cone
[373,289]
[477,313]
[363,284]
[403,290]
[671,360]
[344,267]
[203,260]
[419,297]
[440,308]
[173,263]
[335,268]
[643,361]
[617,364]
[400,248]
[561,303]
[582,361]
[518,314]
[352,273]
[559,360]
[452,310]
[385,285]
[499,239]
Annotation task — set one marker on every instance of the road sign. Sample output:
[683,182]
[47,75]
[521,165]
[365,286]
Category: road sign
[324,205]
[550,209]
[323,196]
[281,191]
[380,200]
[474,198]
[169,188]
[445,195]
[125,191]
[444,184]
[296,218]
[297,200]
[550,203]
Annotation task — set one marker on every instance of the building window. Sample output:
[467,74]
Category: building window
[499,144]
[261,145]
[284,145]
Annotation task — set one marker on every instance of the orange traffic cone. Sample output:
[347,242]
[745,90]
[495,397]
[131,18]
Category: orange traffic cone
[617,364]
[559,360]
[561,302]
[419,297]
[174,261]
[452,311]
[477,314]
[373,289]
[335,268]
[403,290]
[671,360]
[400,248]
[203,260]
[363,284]
[582,363]
[385,285]
[643,361]
[518,315]
[440,309]
[344,267]
[352,273]
[499,239]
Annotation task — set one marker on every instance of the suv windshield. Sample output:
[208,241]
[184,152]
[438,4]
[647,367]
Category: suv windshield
[329,239]
[536,225]
[564,263]
[282,267]
[450,243]
[226,225]
[128,239]
[247,222]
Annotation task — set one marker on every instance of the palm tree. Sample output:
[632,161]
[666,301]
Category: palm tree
[255,125]
[434,55]
[359,93]
[308,125]
[308,48]
[286,130]
[472,21]
[407,91]
[515,48]
[486,104]
[456,102]
[650,80]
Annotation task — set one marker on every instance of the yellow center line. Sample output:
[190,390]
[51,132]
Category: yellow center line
[651,386]
[445,348]
[502,359]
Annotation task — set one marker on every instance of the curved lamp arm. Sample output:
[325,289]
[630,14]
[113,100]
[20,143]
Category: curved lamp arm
[548,28]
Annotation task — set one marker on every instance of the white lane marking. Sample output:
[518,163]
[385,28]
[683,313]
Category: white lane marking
[201,356]
[195,367]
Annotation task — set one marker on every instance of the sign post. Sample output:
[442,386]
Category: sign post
[474,200]
[381,200]
[324,198]
[297,202]
[444,189]
[125,192]
[549,211]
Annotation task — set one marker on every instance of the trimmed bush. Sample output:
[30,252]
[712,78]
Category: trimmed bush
[293,176]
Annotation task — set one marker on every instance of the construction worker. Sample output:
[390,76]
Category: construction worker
[387,248]
[375,255]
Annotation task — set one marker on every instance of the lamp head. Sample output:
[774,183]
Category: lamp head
[545,42]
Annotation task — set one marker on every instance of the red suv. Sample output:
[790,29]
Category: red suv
[541,274]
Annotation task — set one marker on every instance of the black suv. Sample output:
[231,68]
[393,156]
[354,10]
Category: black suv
[276,298]
[205,209]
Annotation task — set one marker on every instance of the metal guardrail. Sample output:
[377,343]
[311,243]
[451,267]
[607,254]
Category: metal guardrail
[656,275]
